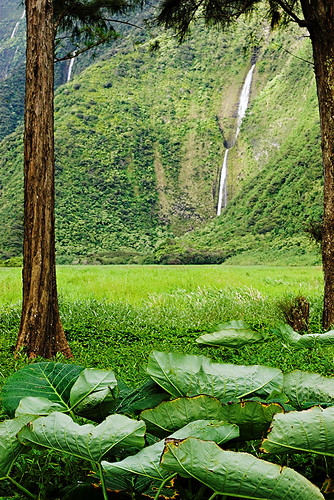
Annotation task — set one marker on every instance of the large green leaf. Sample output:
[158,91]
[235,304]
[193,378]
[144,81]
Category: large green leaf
[38,406]
[252,417]
[132,401]
[58,432]
[232,334]
[10,446]
[93,394]
[169,416]
[237,474]
[189,375]
[308,389]
[308,340]
[309,430]
[52,381]
[144,467]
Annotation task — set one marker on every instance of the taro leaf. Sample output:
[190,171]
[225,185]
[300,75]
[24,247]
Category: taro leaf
[143,468]
[52,381]
[38,406]
[305,389]
[309,430]
[58,432]
[189,375]
[307,340]
[147,395]
[287,334]
[10,446]
[169,416]
[93,394]
[314,339]
[234,473]
[252,417]
[232,334]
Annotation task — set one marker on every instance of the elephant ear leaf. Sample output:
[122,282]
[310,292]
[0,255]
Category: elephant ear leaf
[302,431]
[169,416]
[38,406]
[60,433]
[143,468]
[305,389]
[93,394]
[234,473]
[10,446]
[52,381]
[232,334]
[298,341]
[190,375]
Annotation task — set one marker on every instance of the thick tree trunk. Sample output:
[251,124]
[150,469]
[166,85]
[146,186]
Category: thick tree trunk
[41,332]
[320,17]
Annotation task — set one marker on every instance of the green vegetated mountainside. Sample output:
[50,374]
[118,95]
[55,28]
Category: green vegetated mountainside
[138,146]
[274,172]
[140,140]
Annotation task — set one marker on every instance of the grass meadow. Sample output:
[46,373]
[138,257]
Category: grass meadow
[114,316]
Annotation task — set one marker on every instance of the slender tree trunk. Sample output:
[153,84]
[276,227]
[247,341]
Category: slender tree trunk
[320,17]
[41,332]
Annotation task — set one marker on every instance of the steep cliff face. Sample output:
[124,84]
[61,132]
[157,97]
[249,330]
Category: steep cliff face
[275,169]
[140,141]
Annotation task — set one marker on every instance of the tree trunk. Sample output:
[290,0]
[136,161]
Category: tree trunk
[41,332]
[320,18]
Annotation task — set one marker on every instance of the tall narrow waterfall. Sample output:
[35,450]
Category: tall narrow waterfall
[243,104]
[70,67]
[17,25]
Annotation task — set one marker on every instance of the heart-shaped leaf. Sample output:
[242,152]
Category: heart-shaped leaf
[58,432]
[10,446]
[93,394]
[234,473]
[301,341]
[52,381]
[169,416]
[190,375]
[252,417]
[143,468]
[232,334]
[302,431]
[305,387]
[147,395]
[38,406]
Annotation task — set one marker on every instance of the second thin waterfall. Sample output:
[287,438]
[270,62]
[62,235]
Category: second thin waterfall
[243,104]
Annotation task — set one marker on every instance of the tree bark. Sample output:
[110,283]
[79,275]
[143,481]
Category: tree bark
[41,332]
[319,15]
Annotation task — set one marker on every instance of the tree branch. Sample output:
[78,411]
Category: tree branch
[78,52]
[123,22]
[301,22]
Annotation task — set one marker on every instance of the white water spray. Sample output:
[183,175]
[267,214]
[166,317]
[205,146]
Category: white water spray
[243,104]
[17,25]
[70,67]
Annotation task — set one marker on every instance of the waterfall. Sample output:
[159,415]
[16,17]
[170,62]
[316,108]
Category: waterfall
[243,104]
[222,198]
[70,67]
[17,25]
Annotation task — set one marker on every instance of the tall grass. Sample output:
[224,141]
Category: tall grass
[133,284]
[114,316]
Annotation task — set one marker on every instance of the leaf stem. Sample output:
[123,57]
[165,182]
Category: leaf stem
[162,485]
[22,488]
[103,484]
[213,495]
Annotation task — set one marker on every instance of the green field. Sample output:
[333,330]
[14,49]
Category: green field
[115,316]
[136,284]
